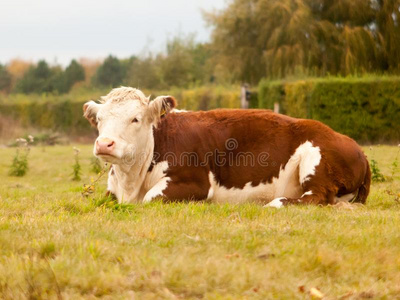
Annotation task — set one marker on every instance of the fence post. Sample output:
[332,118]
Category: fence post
[276,107]
[244,103]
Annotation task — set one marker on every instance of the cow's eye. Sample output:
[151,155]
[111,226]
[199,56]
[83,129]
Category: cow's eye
[135,120]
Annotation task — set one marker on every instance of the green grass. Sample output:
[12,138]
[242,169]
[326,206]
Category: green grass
[56,244]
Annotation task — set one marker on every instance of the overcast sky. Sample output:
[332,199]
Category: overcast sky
[61,30]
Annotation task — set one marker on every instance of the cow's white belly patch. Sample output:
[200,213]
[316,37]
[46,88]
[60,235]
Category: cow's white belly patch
[261,193]
[299,168]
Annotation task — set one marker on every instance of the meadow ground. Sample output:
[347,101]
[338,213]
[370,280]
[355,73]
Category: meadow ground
[54,243]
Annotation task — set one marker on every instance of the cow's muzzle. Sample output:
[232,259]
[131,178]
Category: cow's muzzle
[104,146]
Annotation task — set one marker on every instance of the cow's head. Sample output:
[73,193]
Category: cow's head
[124,119]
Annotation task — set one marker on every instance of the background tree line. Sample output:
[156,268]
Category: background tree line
[251,39]
[184,63]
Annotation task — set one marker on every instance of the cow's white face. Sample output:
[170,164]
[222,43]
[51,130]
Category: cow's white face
[125,121]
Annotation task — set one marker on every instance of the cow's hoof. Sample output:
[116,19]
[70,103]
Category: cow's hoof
[277,202]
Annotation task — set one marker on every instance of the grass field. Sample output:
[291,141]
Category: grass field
[56,244]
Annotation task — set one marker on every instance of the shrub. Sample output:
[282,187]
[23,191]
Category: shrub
[367,109]
[207,97]
[64,116]
[270,92]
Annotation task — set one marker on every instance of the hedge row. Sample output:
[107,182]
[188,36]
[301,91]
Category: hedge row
[366,109]
[65,115]
[206,98]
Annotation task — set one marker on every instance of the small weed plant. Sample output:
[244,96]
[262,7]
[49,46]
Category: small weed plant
[395,164]
[95,165]
[90,189]
[76,168]
[377,175]
[20,166]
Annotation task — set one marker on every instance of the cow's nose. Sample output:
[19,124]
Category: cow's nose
[104,146]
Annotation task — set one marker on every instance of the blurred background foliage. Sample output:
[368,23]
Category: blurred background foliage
[337,61]
[277,38]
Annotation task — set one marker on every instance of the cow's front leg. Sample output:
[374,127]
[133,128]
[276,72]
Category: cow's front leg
[157,190]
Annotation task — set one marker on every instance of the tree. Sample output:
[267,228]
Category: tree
[276,38]
[17,68]
[236,38]
[203,66]
[37,79]
[388,27]
[90,67]
[63,81]
[73,73]
[183,63]
[144,73]
[110,74]
[177,63]
[5,79]
[186,62]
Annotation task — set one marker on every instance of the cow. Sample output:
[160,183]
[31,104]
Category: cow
[222,155]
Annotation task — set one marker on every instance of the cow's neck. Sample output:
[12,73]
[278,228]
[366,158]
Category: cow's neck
[130,178]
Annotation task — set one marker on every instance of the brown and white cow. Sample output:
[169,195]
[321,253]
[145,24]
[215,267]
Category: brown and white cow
[223,155]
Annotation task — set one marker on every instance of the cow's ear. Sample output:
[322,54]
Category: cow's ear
[90,110]
[160,107]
